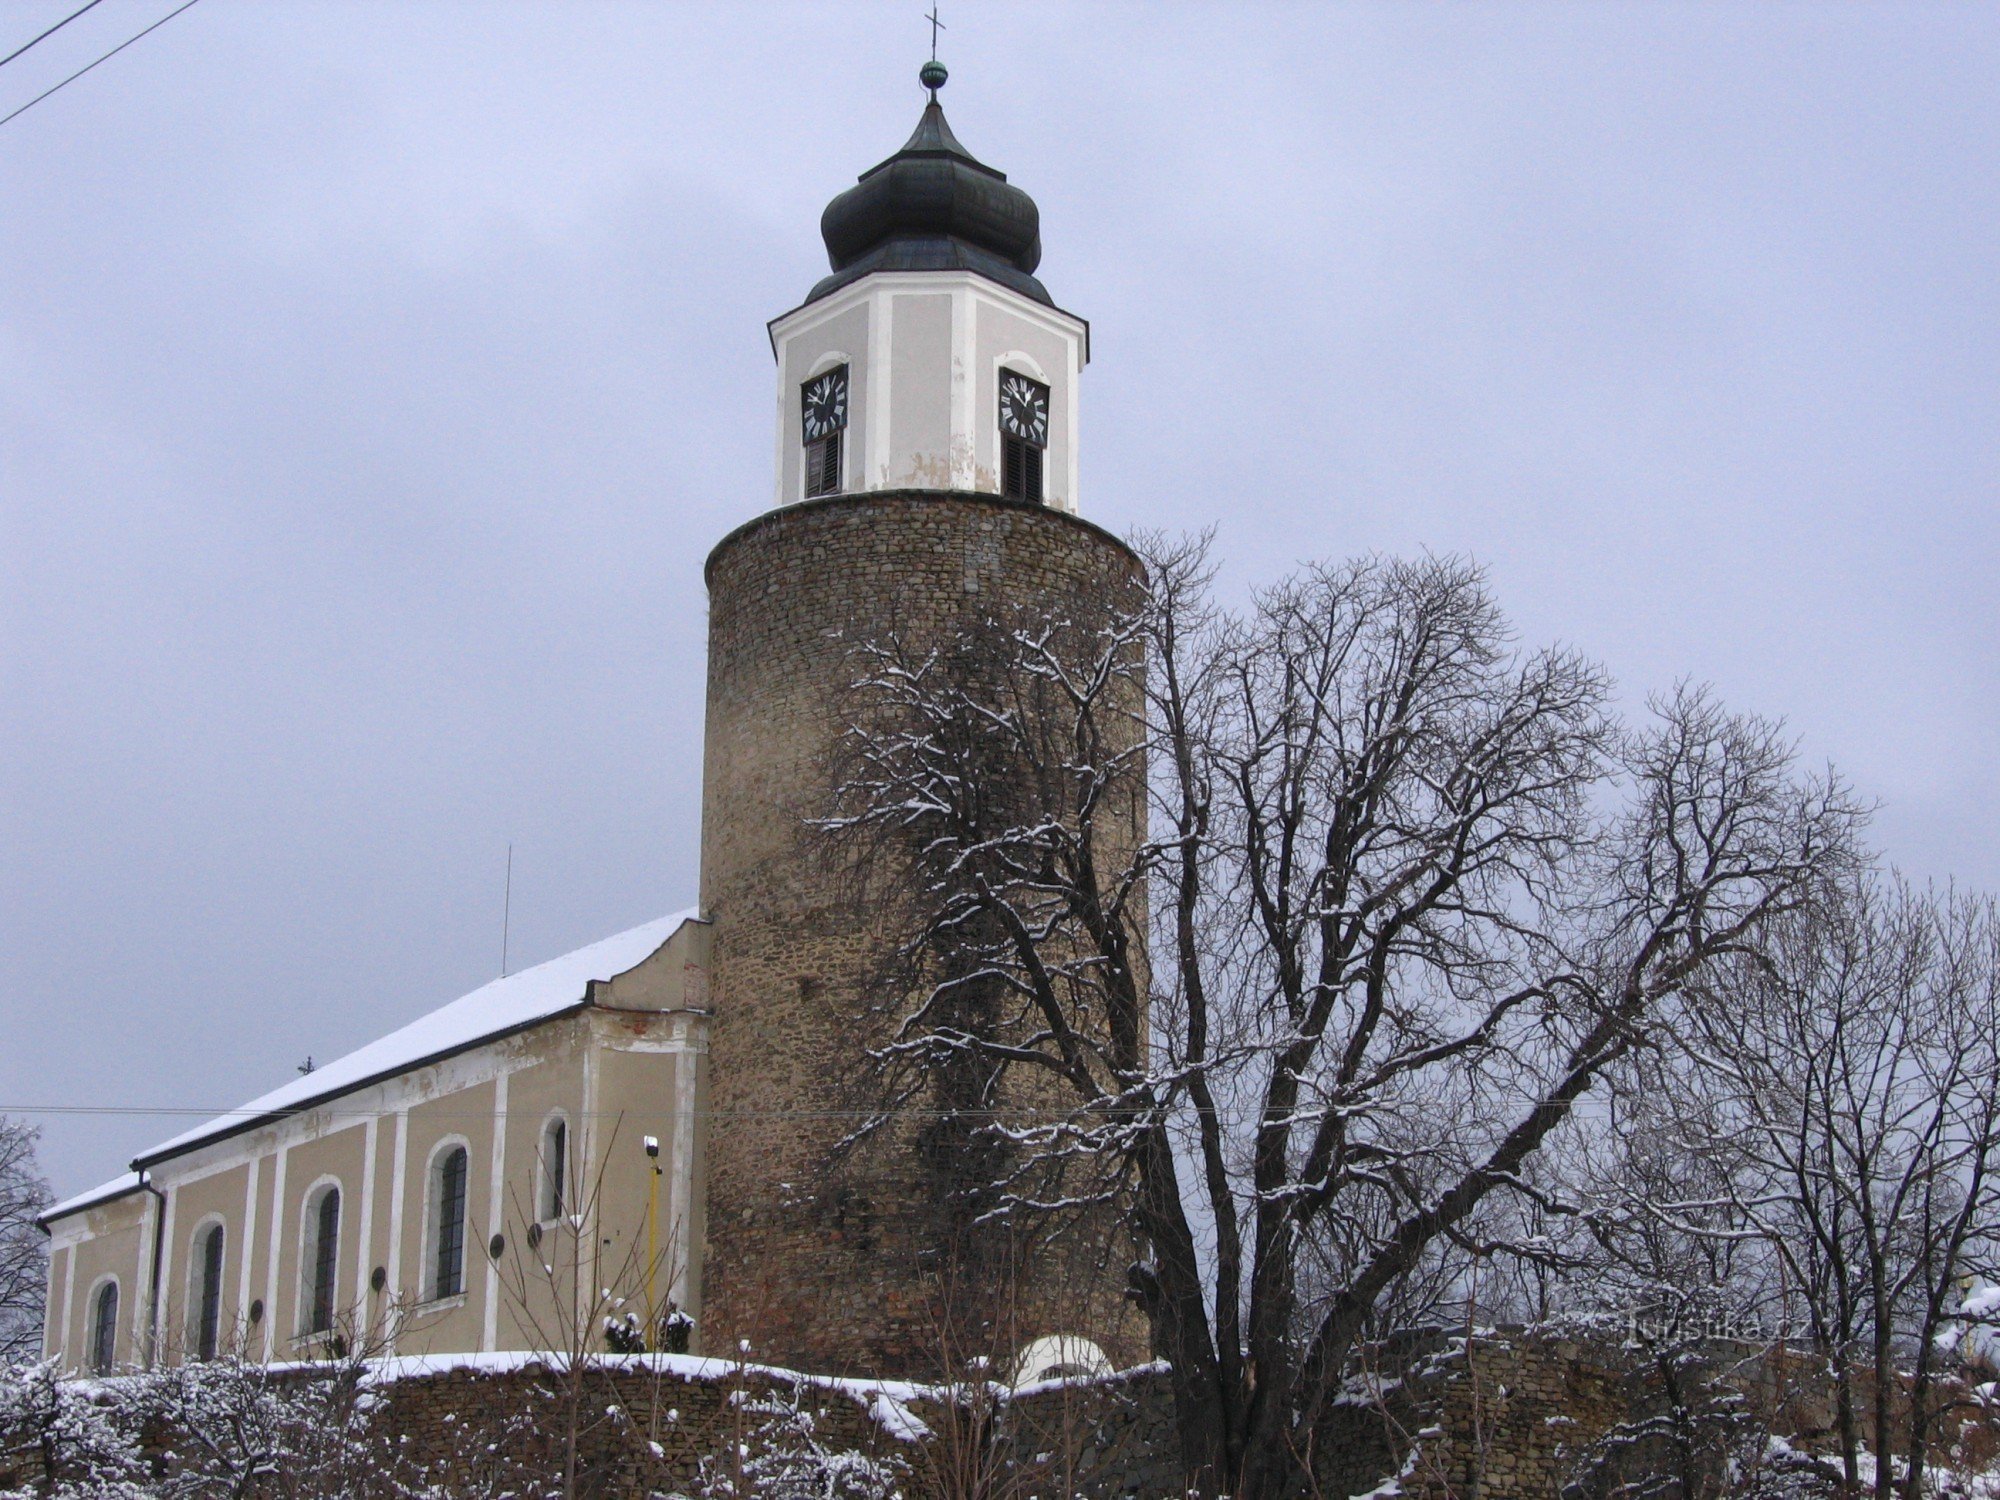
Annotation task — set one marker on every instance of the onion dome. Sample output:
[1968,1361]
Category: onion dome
[933,206]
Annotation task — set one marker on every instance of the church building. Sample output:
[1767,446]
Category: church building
[630,1143]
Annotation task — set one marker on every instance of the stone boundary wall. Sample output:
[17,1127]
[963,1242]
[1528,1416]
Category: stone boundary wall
[1532,1415]
[640,1429]
[1514,1421]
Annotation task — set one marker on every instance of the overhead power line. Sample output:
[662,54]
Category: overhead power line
[85,69]
[45,35]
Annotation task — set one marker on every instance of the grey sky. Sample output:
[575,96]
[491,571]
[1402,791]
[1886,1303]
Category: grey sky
[374,378]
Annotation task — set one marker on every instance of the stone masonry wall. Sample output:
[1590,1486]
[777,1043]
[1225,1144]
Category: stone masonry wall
[846,1269]
[1525,1415]
[634,1429]
[1502,1418]
[1509,1423]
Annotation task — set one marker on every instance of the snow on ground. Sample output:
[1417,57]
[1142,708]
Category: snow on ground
[887,1401]
[1057,1382]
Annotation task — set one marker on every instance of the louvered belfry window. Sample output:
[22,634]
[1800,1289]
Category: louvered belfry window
[823,466]
[1021,470]
[823,426]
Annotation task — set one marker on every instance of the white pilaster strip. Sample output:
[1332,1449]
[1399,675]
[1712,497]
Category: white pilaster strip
[141,1312]
[680,1198]
[495,1211]
[1075,464]
[276,1241]
[68,1304]
[880,398]
[246,1245]
[364,1260]
[159,1320]
[397,1174]
[784,432]
[590,1179]
[961,443]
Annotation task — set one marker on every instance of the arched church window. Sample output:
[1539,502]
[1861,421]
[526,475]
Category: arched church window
[104,1329]
[554,1201]
[206,1291]
[1024,435]
[448,1245]
[323,1219]
[823,423]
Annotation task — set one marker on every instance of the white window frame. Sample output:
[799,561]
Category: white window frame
[309,1259]
[549,1121]
[1020,362]
[90,1317]
[433,1226]
[829,361]
[192,1333]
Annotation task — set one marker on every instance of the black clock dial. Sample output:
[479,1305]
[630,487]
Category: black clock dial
[824,402]
[1024,408]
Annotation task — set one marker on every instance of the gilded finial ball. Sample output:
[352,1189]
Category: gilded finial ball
[932,75]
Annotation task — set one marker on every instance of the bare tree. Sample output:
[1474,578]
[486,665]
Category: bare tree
[24,1255]
[1414,891]
[1688,1295]
[577,1306]
[1855,1069]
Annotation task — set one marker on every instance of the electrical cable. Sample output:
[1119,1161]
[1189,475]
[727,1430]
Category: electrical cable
[106,58]
[45,35]
[286,1111]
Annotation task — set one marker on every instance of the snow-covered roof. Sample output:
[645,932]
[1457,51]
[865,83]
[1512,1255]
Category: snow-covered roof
[104,1192]
[492,1010]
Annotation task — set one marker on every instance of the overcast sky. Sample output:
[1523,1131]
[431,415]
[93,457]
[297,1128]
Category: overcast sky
[374,379]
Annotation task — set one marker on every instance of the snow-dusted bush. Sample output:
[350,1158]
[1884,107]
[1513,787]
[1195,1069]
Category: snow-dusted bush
[77,1439]
[216,1428]
[239,1428]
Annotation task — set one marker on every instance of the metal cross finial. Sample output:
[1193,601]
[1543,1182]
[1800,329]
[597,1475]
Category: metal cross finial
[936,27]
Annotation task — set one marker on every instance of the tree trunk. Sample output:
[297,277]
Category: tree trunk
[1178,1312]
[1919,1444]
[1885,1380]
[1843,1409]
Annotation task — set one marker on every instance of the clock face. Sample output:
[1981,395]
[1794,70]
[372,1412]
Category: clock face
[824,402]
[1024,408]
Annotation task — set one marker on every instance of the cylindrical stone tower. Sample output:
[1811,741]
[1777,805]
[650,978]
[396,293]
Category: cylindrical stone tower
[926,480]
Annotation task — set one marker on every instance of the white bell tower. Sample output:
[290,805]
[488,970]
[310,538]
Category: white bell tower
[931,358]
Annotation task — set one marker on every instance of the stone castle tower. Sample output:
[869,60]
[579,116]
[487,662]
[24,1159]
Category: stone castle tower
[926,472]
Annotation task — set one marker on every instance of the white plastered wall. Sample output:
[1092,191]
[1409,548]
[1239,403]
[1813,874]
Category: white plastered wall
[924,352]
